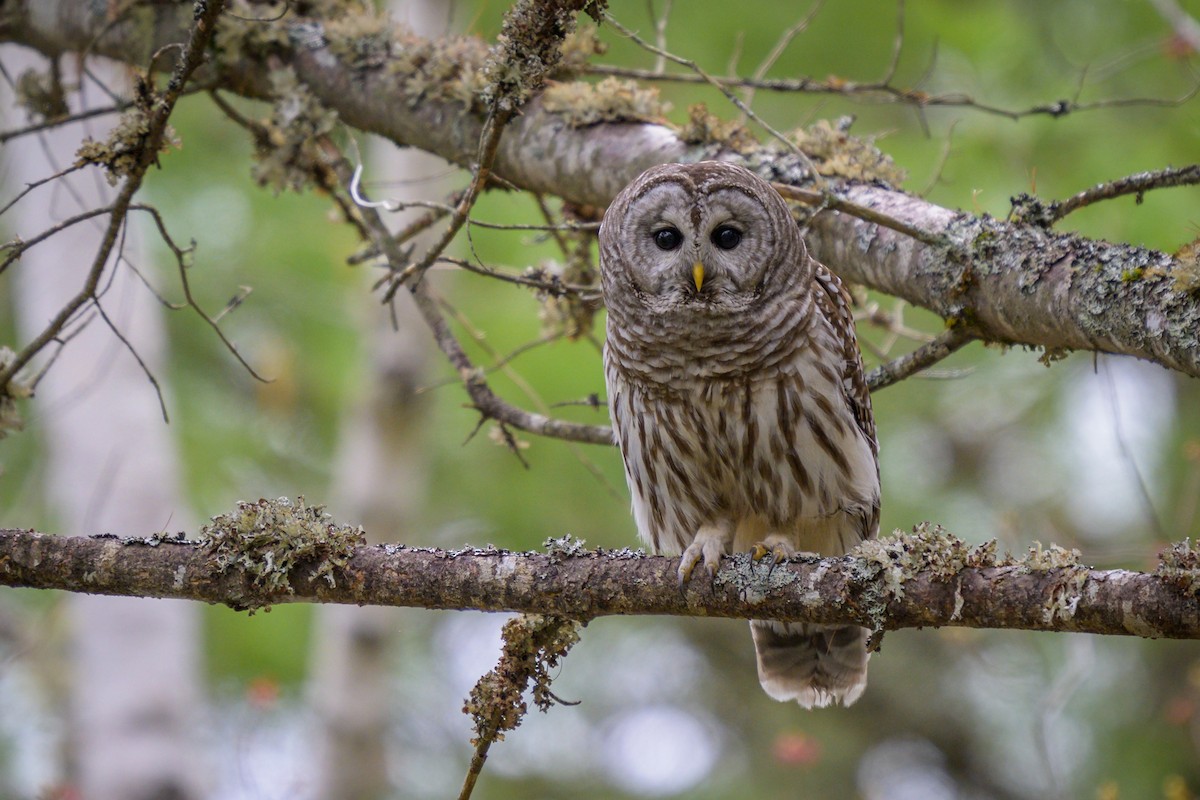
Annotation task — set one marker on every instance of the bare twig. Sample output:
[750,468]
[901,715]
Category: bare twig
[723,89]
[892,94]
[1137,184]
[923,357]
[785,39]
[198,37]
[831,202]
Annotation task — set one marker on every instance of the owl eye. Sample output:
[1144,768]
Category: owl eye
[667,238]
[726,237]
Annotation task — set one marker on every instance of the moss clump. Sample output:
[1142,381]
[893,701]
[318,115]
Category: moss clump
[610,100]
[268,539]
[836,153]
[533,646]
[705,128]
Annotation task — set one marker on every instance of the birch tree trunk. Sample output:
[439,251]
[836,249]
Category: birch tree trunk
[111,465]
[378,480]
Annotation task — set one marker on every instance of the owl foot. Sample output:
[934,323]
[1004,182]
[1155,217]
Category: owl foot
[709,545]
[778,551]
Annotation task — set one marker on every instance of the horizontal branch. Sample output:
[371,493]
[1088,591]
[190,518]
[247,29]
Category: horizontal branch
[920,580]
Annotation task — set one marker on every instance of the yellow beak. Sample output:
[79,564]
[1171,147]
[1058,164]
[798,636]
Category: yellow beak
[698,274]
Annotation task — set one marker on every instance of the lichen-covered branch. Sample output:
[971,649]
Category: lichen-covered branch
[1011,282]
[924,579]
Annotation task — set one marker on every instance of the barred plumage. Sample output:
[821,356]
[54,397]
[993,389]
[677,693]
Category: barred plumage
[737,394]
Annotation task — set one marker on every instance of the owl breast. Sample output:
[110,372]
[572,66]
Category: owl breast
[773,453]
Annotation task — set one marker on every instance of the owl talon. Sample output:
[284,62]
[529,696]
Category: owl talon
[778,551]
[708,547]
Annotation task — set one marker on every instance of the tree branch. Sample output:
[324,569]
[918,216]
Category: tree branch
[920,580]
[1014,283]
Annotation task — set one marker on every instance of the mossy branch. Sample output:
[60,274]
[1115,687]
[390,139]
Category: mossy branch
[1013,282]
[922,579]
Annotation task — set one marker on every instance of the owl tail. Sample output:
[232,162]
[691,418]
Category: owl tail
[815,665]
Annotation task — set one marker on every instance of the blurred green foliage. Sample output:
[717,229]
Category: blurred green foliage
[991,452]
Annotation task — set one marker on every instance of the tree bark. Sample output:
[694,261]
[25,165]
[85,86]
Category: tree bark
[884,592]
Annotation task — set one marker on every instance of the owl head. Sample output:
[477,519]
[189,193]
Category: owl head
[705,240]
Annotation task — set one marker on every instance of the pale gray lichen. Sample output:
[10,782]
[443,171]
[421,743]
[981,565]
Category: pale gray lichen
[755,579]
[1180,564]
[267,539]
[287,151]
[565,545]
[120,153]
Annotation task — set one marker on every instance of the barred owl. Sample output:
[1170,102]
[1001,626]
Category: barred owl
[737,395]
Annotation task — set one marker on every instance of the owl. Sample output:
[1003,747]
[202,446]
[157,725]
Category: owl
[738,399]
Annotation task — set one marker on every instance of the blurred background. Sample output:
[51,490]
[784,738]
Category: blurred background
[1097,453]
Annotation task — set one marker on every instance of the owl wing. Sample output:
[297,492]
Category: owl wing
[834,300]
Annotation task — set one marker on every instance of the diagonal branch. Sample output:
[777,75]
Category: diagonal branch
[1011,282]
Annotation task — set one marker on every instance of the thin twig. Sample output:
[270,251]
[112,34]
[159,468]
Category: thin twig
[203,26]
[781,45]
[924,356]
[832,202]
[1137,184]
[489,141]
[891,94]
[181,263]
[723,89]
[18,247]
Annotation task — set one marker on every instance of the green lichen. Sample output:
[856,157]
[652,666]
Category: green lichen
[529,48]
[1040,557]
[1185,268]
[610,100]
[891,561]
[1133,274]
[578,48]
[268,539]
